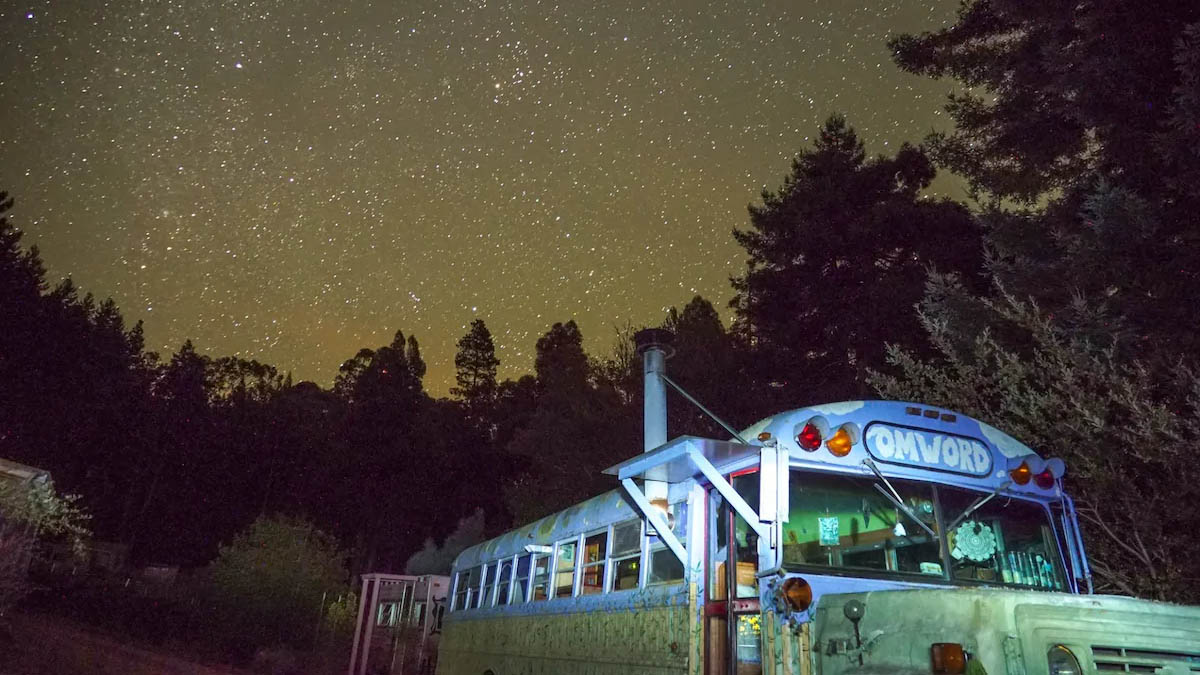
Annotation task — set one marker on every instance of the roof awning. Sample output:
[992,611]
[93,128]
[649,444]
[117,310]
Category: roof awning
[690,456]
[675,461]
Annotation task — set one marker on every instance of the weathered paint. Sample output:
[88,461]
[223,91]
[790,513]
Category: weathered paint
[583,517]
[646,634]
[1008,631]
[998,444]
[659,629]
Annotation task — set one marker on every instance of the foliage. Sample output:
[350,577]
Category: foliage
[1057,91]
[271,583]
[1129,439]
[340,614]
[476,364]
[32,510]
[432,559]
[835,262]
[560,363]
[581,425]
[1081,124]
[714,366]
[74,385]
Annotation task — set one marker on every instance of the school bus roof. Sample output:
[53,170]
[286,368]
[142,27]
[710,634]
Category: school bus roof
[592,514]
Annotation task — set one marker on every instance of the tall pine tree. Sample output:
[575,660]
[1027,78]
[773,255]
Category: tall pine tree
[475,367]
[837,258]
[1081,124]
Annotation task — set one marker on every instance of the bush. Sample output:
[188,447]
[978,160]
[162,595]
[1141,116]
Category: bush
[269,586]
[29,510]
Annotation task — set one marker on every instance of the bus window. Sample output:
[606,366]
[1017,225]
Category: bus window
[664,566]
[595,554]
[564,570]
[489,585]
[521,587]
[1001,541]
[847,522]
[718,542]
[541,577]
[626,552]
[745,551]
[460,591]
[472,599]
[504,583]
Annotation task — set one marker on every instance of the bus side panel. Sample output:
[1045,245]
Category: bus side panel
[645,641]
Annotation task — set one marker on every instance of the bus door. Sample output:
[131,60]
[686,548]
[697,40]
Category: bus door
[733,617]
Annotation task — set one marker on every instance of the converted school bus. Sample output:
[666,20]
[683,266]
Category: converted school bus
[855,537]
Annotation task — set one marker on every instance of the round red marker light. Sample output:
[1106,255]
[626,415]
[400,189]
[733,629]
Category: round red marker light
[809,437]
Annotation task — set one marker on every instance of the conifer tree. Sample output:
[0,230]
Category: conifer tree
[475,365]
[836,260]
[1081,126]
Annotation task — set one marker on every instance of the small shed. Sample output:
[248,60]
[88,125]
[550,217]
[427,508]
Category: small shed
[399,619]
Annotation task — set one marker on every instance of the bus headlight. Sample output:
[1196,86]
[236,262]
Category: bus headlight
[1062,661]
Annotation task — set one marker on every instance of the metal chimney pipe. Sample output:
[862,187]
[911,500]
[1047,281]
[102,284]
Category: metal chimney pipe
[654,344]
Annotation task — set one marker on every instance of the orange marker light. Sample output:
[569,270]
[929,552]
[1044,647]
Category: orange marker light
[840,444]
[797,593]
[947,658]
[1021,474]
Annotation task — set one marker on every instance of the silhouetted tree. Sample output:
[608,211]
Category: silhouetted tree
[1058,91]
[389,470]
[710,363]
[580,426]
[837,259]
[74,385]
[475,365]
[1088,118]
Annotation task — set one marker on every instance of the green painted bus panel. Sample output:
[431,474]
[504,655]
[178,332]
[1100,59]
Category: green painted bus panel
[651,641]
[1008,631]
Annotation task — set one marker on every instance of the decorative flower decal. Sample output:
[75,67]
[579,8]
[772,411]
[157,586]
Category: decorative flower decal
[975,541]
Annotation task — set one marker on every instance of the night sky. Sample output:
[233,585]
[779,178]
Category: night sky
[293,180]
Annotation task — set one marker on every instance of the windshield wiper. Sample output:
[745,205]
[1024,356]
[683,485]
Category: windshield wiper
[978,503]
[894,497]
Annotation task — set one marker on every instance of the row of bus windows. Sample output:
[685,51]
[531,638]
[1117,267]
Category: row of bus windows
[599,562]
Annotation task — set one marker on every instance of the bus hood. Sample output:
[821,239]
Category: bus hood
[1008,631]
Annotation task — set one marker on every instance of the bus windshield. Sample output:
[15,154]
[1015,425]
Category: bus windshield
[864,523]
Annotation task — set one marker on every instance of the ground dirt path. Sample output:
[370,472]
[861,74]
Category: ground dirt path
[41,645]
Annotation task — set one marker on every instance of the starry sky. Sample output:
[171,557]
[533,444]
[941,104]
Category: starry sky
[293,180]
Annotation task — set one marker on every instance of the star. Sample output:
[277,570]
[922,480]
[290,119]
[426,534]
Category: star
[352,181]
